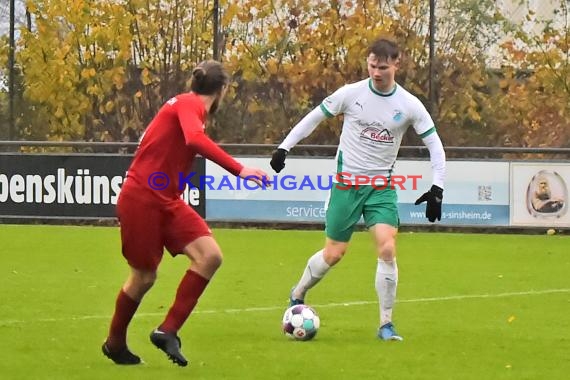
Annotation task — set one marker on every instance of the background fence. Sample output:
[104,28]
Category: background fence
[81,181]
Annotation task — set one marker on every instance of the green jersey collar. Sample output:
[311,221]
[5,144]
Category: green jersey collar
[381,93]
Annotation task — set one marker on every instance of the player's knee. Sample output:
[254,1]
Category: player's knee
[387,250]
[333,256]
[214,259]
[147,279]
[140,282]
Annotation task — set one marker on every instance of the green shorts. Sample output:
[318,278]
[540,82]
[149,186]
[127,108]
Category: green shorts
[346,206]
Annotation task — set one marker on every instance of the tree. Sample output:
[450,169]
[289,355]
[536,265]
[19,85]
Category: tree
[72,62]
[98,68]
[288,56]
[541,103]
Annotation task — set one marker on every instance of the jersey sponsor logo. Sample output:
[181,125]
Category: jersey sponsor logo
[171,101]
[398,115]
[382,136]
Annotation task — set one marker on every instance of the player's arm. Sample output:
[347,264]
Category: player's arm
[196,139]
[192,125]
[202,144]
[434,196]
[436,155]
[303,129]
[424,127]
[330,107]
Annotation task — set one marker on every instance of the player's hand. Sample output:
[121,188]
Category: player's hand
[278,159]
[433,198]
[255,175]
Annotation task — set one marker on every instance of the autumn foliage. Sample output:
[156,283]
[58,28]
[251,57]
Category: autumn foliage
[97,70]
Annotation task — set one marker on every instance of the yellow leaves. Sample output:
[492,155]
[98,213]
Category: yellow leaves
[253,107]
[109,106]
[249,76]
[244,17]
[473,114]
[88,73]
[59,113]
[451,115]
[41,27]
[518,55]
[271,66]
[94,90]
[118,54]
[145,77]
[83,104]
[99,58]
[31,7]
[230,12]
[403,8]
[118,78]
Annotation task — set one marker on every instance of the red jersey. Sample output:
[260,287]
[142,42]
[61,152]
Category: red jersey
[169,145]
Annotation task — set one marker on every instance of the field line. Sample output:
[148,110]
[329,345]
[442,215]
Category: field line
[319,306]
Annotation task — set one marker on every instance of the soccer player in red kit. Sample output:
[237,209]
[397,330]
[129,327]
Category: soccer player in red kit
[153,216]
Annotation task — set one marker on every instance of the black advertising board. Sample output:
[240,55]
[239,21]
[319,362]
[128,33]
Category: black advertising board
[72,186]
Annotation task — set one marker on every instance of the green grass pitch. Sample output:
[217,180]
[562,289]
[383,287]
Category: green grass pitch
[470,306]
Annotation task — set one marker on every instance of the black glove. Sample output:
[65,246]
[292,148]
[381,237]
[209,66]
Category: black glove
[278,159]
[433,198]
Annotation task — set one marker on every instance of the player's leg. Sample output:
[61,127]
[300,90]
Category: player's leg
[206,258]
[142,247]
[126,304]
[189,234]
[139,283]
[386,281]
[317,267]
[381,217]
[344,208]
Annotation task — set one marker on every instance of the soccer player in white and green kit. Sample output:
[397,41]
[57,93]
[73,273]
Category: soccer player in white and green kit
[377,112]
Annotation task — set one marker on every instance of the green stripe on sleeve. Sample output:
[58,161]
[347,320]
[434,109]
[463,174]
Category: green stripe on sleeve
[326,111]
[427,133]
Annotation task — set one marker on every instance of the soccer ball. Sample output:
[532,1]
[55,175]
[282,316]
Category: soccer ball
[301,322]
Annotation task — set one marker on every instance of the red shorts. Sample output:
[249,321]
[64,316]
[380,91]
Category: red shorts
[147,227]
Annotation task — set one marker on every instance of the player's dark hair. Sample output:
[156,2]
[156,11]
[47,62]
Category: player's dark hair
[384,48]
[208,78]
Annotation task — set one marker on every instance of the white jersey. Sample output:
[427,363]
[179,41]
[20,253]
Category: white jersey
[374,124]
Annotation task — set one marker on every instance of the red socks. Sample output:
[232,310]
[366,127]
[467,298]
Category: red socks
[190,289]
[125,308]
